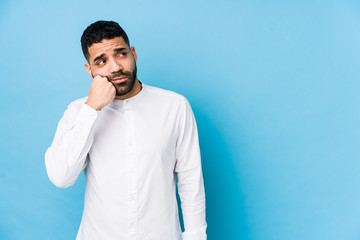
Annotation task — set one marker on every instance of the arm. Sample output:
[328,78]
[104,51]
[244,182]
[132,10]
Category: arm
[66,157]
[190,178]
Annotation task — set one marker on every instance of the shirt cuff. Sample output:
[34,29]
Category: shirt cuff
[87,115]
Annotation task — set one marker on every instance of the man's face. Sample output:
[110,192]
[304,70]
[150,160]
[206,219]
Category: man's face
[112,58]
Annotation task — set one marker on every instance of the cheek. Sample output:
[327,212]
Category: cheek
[131,66]
[101,71]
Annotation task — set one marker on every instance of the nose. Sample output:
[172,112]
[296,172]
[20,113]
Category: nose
[115,66]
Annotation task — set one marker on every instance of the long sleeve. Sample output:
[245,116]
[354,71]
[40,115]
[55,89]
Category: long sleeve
[190,178]
[66,157]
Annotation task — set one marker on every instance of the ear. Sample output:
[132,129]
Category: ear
[132,49]
[88,69]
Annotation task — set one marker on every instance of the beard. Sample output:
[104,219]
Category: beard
[124,87]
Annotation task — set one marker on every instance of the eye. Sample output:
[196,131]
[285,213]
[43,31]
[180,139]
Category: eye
[122,54]
[101,62]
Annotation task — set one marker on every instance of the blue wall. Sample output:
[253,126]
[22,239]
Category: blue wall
[274,86]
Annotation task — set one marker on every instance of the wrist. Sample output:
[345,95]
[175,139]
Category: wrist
[94,106]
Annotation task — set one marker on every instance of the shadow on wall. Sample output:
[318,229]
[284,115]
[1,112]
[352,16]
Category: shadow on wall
[226,212]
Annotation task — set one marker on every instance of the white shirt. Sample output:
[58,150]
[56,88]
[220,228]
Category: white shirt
[132,151]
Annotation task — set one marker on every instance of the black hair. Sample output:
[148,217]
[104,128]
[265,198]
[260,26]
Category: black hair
[99,31]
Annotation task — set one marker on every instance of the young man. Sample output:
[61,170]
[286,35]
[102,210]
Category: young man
[132,140]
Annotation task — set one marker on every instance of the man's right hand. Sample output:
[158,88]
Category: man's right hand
[101,93]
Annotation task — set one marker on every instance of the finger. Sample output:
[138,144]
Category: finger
[100,77]
[113,84]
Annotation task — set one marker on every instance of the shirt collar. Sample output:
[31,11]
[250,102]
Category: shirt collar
[132,99]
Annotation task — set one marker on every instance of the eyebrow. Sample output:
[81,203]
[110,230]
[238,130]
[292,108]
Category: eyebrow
[98,57]
[119,49]
[115,50]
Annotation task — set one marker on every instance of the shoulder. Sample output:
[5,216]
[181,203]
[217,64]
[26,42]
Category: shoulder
[172,101]
[165,95]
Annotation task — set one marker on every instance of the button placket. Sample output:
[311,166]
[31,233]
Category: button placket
[132,172]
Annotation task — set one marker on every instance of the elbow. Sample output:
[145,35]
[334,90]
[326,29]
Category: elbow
[59,179]
[61,182]
[58,176]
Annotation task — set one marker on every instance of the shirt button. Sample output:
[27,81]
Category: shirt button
[130,144]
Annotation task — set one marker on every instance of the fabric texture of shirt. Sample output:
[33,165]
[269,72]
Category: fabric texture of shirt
[133,153]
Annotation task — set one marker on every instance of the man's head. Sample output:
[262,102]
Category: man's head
[107,50]
[99,31]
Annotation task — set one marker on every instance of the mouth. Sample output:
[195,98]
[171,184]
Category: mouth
[119,80]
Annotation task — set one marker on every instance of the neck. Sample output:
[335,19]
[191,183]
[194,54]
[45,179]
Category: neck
[135,90]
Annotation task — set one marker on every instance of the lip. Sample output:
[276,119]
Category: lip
[119,80]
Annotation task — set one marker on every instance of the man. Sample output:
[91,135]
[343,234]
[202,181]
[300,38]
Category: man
[133,141]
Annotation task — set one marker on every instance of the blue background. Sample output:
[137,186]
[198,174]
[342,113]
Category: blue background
[274,86]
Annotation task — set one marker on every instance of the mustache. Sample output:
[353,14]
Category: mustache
[119,74]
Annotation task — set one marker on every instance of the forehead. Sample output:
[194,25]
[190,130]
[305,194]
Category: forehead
[106,46]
